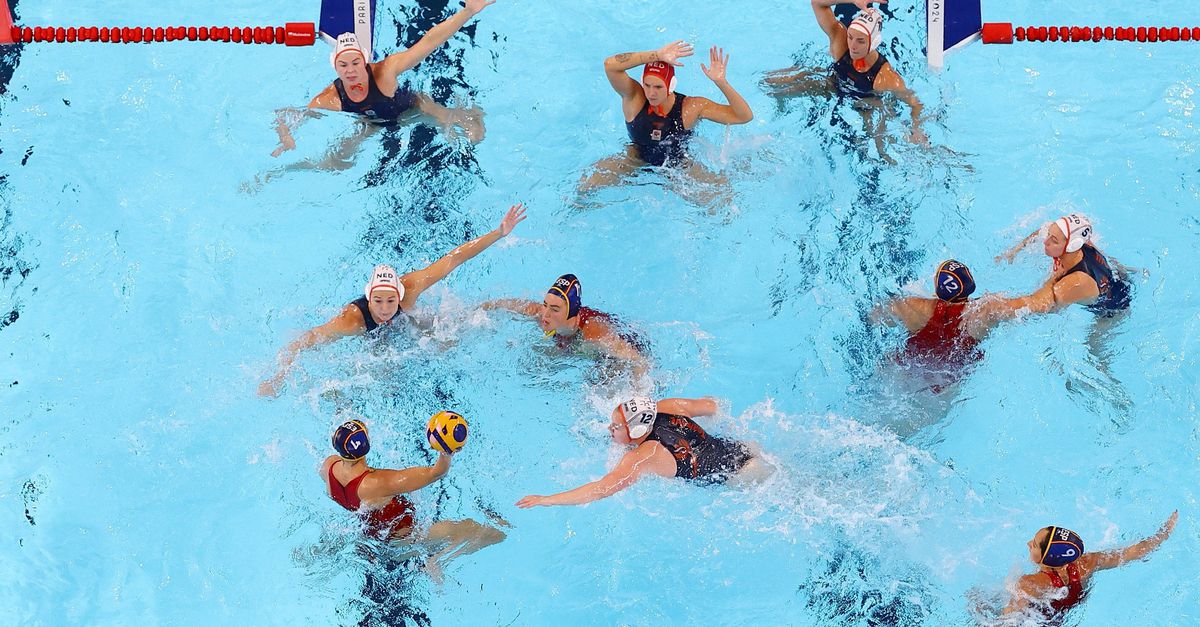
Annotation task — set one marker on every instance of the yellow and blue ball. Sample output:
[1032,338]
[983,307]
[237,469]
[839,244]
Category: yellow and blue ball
[447,432]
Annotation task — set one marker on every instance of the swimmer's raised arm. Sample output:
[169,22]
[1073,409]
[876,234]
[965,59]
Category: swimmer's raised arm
[690,407]
[395,64]
[347,322]
[626,473]
[515,305]
[383,483]
[616,66]
[420,280]
[738,110]
[1132,553]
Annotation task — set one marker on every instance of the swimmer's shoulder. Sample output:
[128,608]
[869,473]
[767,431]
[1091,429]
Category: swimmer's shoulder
[328,100]
[914,311]
[888,79]
[323,471]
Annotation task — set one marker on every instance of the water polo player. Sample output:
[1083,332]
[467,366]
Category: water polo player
[1080,273]
[860,72]
[667,443]
[562,316]
[1064,570]
[945,331]
[373,90]
[377,496]
[659,120]
[386,294]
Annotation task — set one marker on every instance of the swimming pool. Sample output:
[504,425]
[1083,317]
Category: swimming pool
[151,287]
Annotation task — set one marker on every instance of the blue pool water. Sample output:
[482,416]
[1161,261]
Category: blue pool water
[151,281]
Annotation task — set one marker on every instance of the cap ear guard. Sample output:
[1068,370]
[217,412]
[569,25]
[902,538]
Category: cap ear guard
[1077,230]
[639,414]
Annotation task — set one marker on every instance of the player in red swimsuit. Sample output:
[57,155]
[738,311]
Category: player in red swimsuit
[377,496]
[1064,570]
[561,315]
[946,331]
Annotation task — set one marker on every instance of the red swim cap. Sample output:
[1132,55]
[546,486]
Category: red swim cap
[664,71]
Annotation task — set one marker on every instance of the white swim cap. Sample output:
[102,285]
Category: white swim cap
[384,277]
[639,414]
[870,22]
[346,42]
[1077,229]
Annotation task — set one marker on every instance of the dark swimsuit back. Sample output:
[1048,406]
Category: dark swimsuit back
[660,139]
[850,82]
[698,455]
[1114,292]
[376,105]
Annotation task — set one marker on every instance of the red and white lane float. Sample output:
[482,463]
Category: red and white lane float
[952,24]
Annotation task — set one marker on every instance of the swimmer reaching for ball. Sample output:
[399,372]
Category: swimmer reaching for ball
[376,495]
[386,295]
[373,90]
[1065,570]
[562,315]
[668,443]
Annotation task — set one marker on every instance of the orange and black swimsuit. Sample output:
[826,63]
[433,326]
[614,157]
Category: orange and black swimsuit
[697,454]
[391,520]
[852,83]
[377,106]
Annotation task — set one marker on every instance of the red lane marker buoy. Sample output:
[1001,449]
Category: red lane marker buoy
[1004,33]
[291,34]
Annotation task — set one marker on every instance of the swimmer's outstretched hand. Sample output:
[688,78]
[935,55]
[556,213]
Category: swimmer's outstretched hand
[1167,527]
[672,52]
[269,388]
[515,215]
[285,144]
[918,137]
[717,62]
[475,6]
[532,500]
